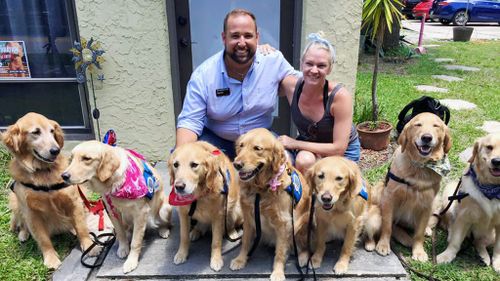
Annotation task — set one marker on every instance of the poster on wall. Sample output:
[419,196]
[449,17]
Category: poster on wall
[13,60]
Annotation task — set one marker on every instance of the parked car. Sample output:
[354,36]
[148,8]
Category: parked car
[408,6]
[422,9]
[447,11]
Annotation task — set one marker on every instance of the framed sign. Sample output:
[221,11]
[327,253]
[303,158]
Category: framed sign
[13,60]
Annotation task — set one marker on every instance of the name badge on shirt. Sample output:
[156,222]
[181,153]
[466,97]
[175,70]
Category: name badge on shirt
[222,92]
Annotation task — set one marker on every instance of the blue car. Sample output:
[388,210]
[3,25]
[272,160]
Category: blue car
[456,11]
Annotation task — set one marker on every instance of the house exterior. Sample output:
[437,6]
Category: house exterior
[148,58]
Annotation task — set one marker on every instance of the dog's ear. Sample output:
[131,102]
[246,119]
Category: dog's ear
[354,178]
[109,164]
[447,140]
[475,151]
[403,138]
[309,176]
[58,134]
[171,168]
[212,181]
[278,157]
[12,138]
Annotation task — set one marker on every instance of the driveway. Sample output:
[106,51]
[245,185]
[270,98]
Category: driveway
[437,31]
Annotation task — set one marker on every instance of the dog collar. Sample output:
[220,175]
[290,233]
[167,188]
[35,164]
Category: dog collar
[44,188]
[491,191]
[441,167]
[274,183]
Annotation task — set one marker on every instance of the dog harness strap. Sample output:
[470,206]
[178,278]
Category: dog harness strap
[363,193]
[46,188]
[295,188]
[490,191]
[258,231]
[225,180]
[395,178]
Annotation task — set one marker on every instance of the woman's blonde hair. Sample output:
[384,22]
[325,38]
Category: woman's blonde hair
[317,39]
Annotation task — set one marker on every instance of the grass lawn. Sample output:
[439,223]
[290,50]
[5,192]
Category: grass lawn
[396,88]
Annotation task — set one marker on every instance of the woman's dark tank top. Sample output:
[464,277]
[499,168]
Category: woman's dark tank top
[321,131]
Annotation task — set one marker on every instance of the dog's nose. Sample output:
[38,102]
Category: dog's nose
[426,138]
[326,198]
[180,186]
[66,176]
[54,151]
[495,162]
[238,165]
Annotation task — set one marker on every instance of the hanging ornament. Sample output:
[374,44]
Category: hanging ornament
[87,55]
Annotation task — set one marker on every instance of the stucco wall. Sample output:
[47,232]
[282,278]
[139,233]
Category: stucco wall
[340,20]
[136,99]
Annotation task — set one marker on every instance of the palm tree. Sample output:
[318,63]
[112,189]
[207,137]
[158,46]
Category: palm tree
[379,14]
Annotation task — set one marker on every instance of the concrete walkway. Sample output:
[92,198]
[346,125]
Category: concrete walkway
[156,262]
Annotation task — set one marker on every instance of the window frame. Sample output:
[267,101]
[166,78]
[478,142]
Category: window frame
[85,132]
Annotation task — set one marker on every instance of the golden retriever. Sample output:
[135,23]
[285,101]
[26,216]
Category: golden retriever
[200,169]
[108,170]
[35,143]
[424,143]
[477,213]
[341,209]
[264,169]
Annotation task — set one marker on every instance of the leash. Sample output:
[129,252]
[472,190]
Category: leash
[409,268]
[309,234]
[95,207]
[258,231]
[106,246]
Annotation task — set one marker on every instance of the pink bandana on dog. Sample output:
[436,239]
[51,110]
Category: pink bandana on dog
[175,199]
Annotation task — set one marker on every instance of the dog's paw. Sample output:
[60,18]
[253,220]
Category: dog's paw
[180,257]
[52,262]
[383,248]
[277,275]
[485,257]
[23,235]
[95,251]
[370,245]
[303,257]
[216,263]
[195,234]
[496,264]
[316,261]
[238,263]
[164,232]
[340,267]
[419,255]
[130,264]
[122,251]
[444,257]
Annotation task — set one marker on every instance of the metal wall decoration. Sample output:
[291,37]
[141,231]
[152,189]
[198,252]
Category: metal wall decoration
[87,55]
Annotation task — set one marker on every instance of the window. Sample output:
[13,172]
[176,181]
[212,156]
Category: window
[36,71]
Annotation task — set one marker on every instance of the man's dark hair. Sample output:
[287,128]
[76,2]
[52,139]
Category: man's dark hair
[239,12]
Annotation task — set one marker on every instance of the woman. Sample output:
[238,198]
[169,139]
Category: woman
[321,110]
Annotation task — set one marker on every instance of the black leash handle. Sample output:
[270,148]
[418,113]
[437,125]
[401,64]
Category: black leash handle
[106,246]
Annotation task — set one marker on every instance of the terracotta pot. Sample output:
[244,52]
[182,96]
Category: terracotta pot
[462,33]
[377,138]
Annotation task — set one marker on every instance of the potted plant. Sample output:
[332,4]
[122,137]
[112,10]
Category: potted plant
[379,15]
[461,32]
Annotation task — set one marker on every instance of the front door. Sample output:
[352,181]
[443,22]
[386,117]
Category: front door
[195,28]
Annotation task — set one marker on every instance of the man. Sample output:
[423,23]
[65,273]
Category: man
[233,91]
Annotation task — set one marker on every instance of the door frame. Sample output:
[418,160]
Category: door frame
[179,33]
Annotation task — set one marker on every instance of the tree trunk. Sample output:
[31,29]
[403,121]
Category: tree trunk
[380,40]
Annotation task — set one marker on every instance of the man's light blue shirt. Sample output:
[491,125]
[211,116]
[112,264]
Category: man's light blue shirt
[249,104]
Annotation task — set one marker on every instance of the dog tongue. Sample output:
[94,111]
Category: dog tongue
[495,172]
